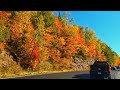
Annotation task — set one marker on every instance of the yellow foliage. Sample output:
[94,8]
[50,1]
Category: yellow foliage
[62,41]
[66,61]
[44,54]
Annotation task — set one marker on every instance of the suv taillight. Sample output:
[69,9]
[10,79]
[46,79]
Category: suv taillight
[109,69]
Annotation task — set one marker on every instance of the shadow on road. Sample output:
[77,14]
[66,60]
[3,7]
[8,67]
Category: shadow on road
[81,76]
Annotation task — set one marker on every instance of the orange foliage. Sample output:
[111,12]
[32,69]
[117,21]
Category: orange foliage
[58,24]
[2,45]
[55,54]
[58,42]
[22,31]
[4,16]
[91,50]
[100,56]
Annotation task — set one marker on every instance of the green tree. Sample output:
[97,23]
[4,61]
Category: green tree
[107,52]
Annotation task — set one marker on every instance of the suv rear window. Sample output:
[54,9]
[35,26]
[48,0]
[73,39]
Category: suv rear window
[100,63]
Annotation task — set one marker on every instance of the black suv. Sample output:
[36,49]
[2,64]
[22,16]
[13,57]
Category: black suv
[100,70]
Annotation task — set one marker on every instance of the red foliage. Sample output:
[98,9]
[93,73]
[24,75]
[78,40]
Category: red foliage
[35,56]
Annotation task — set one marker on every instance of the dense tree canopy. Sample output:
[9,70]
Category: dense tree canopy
[39,36]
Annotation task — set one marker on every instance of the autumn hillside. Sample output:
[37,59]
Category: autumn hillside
[40,40]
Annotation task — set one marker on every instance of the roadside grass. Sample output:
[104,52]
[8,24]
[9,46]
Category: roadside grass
[40,72]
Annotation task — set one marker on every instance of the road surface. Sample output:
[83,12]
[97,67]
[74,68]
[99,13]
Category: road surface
[68,75]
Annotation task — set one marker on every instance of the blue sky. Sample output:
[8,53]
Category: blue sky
[106,24]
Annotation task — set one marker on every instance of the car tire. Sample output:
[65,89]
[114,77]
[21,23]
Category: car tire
[91,77]
[109,77]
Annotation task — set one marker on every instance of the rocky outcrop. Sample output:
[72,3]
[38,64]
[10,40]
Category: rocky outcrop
[5,58]
[81,64]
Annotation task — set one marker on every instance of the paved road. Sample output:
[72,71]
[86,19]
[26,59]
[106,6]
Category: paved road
[68,75]
[115,74]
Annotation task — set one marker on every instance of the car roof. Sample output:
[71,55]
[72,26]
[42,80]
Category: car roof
[100,62]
